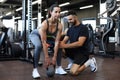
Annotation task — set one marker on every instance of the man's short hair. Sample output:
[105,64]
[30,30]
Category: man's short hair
[71,13]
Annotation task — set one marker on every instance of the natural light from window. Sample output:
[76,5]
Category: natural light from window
[92,22]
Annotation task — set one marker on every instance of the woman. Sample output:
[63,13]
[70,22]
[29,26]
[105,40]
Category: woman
[50,31]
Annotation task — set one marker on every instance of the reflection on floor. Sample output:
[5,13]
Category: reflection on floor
[108,69]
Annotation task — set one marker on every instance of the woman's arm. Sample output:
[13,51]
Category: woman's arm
[42,32]
[57,40]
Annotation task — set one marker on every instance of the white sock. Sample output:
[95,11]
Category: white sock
[87,63]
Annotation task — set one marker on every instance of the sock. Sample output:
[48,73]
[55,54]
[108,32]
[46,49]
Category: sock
[87,63]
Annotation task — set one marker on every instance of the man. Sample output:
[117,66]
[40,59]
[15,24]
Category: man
[76,49]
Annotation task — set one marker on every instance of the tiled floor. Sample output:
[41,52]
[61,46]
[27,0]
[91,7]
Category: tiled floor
[108,69]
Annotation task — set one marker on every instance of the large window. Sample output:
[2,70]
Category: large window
[102,10]
[91,21]
[8,23]
[20,25]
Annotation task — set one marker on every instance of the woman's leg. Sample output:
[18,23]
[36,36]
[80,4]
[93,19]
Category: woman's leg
[38,47]
[59,56]
[59,69]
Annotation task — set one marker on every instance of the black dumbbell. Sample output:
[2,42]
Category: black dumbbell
[50,71]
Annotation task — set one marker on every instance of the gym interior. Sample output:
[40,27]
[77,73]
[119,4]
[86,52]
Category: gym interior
[19,17]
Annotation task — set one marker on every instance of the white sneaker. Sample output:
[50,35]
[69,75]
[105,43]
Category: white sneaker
[35,73]
[40,63]
[69,66]
[60,70]
[93,65]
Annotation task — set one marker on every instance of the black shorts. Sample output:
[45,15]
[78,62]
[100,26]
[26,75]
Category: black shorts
[78,58]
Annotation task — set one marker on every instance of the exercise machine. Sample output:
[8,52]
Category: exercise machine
[107,46]
[7,50]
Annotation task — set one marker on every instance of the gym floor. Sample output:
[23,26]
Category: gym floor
[108,69]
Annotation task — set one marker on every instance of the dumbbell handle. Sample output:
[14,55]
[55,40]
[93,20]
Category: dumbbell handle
[53,66]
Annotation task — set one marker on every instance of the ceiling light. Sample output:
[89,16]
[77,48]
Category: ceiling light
[19,9]
[64,12]
[64,4]
[17,17]
[2,1]
[34,18]
[84,7]
[8,13]
[33,3]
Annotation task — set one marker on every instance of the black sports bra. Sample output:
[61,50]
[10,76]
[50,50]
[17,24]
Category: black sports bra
[51,36]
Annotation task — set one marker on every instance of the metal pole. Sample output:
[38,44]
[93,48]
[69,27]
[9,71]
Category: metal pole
[30,15]
[118,25]
[39,12]
[24,2]
[29,27]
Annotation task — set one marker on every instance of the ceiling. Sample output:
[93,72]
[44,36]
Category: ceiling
[12,5]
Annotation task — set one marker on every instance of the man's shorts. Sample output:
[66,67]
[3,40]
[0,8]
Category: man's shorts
[77,57]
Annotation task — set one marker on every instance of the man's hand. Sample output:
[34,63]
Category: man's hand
[62,45]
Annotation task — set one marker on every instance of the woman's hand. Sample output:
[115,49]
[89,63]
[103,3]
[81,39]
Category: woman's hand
[47,61]
[53,60]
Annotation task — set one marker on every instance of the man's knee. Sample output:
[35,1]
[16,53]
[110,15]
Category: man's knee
[74,73]
[74,69]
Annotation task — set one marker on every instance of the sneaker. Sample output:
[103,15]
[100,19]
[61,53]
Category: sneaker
[69,66]
[93,65]
[35,74]
[60,70]
[40,63]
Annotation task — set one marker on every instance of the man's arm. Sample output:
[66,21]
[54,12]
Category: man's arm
[78,43]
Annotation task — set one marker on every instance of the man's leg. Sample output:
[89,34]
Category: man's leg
[79,63]
[84,66]
[74,69]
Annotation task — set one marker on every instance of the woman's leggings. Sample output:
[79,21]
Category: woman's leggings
[35,39]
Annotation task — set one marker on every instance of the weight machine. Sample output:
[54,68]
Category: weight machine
[108,47]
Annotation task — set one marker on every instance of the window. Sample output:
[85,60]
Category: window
[91,21]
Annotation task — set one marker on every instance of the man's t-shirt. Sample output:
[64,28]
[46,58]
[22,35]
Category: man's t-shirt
[74,33]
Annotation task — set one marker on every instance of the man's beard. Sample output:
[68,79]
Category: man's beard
[72,23]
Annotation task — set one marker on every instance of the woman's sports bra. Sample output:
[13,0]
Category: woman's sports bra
[51,36]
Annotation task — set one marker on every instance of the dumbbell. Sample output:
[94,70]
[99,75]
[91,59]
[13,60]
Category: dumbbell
[50,70]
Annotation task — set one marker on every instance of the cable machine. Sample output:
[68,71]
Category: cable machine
[108,28]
